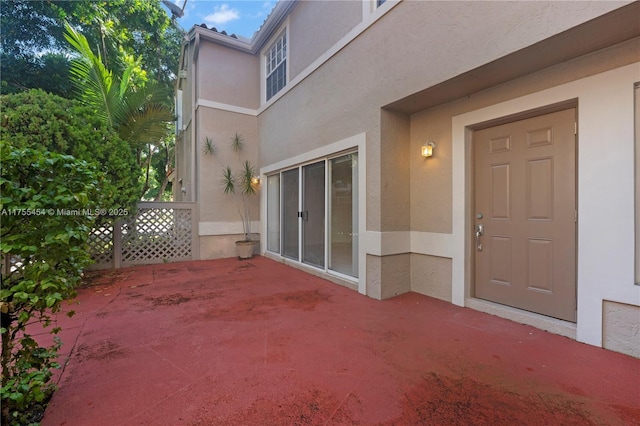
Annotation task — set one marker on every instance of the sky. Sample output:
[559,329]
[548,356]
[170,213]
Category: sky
[240,17]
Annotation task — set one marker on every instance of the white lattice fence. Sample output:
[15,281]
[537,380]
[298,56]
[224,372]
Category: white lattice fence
[101,247]
[158,233]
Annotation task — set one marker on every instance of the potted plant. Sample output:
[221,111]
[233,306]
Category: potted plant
[240,185]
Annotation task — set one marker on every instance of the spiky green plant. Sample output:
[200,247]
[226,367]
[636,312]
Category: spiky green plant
[208,146]
[237,143]
[242,184]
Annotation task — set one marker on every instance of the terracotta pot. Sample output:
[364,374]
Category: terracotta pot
[245,249]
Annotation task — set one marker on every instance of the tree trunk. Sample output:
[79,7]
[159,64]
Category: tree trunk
[163,187]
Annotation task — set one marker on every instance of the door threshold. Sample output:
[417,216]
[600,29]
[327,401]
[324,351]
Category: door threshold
[552,325]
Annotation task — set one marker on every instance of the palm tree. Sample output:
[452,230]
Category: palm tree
[139,115]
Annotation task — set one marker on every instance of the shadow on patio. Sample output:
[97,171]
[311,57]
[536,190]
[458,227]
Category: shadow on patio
[230,342]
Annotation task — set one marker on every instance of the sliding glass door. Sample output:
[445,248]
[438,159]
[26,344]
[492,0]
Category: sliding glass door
[343,235]
[273,213]
[290,209]
[312,214]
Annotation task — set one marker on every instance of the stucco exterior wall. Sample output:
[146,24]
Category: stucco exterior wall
[431,276]
[343,97]
[331,21]
[431,179]
[220,222]
[621,328]
[222,246]
[221,126]
[228,76]
[388,276]
[431,207]
[394,172]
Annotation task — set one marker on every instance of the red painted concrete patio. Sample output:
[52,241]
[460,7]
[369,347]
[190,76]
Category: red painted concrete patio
[231,342]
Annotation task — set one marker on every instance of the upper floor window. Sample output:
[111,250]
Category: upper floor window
[380,2]
[276,61]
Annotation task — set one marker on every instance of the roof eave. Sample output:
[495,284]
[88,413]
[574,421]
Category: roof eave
[260,37]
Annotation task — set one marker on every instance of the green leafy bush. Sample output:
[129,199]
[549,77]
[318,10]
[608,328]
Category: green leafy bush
[48,253]
[36,119]
[58,165]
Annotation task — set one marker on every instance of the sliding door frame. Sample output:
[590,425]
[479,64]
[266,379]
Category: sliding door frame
[326,162]
[365,240]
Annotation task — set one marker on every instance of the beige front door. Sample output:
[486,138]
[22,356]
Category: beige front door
[525,214]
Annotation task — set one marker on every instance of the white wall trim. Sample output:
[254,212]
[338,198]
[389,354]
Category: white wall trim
[226,107]
[367,7]
[225,228]
[387,243]
[432,244]
[605,190]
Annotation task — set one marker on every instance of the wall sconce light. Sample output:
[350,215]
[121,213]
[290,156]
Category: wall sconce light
[255,180]
[427,149]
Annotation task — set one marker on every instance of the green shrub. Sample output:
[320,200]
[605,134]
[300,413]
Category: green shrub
[39,120]
[48,252]
[58,165]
